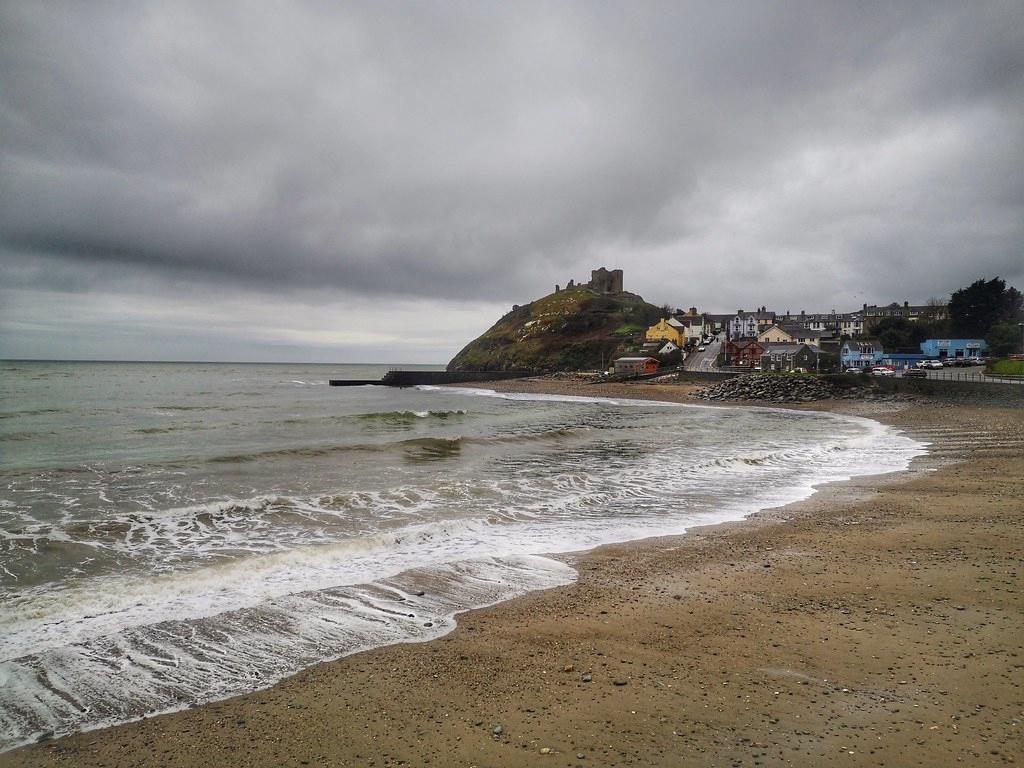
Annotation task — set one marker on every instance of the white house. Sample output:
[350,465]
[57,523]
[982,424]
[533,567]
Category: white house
[747,325]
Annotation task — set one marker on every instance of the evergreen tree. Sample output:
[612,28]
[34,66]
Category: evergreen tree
[974,310]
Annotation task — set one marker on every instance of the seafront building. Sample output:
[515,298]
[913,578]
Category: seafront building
[957,349]
[860,353]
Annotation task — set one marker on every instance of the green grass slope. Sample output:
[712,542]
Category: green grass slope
[574,329]
[1007,368]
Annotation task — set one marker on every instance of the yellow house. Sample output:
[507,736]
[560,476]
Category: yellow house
[667,330]
[789,334]
[776,335]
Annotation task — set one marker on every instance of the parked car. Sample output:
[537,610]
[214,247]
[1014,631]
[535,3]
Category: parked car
[701,348]
[883,370]
[930,364]
[916,373]
[851,369]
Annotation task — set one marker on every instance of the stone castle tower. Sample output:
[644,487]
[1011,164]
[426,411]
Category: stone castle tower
[602,281]
[605,281]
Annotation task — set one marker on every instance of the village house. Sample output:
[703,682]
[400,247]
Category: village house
[786,358]
[667,330]
[743,353]
[789,334]
[831,324]
[872,314]
[666,352]
[692,325]
[860,353]
[635,366]
[747,325]
[716,323]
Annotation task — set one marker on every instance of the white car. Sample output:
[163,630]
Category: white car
[701,348]
[933,364]
[881,370]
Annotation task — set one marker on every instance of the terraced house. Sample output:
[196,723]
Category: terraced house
[747,325]
[872,314]
[789,334]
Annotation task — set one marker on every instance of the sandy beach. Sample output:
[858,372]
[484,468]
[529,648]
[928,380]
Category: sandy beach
[879,623]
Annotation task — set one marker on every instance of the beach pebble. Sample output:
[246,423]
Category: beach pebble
[587,677]
[619,683]
[497,730]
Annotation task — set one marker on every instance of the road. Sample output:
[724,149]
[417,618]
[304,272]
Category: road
[703,361]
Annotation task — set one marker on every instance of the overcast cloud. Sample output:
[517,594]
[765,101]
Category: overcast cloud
[379,181]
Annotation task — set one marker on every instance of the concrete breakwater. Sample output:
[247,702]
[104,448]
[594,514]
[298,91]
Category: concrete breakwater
[398,378]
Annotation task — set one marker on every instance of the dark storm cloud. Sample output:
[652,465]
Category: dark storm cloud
[487,150]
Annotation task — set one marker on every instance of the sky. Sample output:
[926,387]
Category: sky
[380,181]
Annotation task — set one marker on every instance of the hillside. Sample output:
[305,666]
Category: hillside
[574,329]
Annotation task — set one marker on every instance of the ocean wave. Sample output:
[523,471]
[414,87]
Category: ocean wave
[427,445]
[541,398]
[409,417]
[160,667]
[30,412]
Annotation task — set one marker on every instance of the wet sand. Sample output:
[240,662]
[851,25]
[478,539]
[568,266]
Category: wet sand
[878,623]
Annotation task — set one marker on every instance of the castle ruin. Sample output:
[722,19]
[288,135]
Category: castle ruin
[602,281]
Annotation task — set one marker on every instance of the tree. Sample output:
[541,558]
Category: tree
[899,335]
[974,310]
[1004,339]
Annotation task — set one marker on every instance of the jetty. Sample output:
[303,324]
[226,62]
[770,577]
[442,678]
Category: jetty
[398,378]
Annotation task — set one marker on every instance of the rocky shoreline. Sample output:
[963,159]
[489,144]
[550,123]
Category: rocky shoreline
[778,389]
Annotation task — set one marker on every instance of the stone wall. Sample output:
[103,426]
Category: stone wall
[966,392]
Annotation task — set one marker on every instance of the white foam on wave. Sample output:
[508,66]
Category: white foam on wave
[168,665]
[541,397]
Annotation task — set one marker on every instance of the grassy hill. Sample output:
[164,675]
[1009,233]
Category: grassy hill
[574,329]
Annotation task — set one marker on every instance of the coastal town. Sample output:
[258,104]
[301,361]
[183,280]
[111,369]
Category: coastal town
[763,340]
[895,339]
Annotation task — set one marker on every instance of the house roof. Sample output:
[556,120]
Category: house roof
[800,331]
[788,348]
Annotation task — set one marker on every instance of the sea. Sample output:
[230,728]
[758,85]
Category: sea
[177,533]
